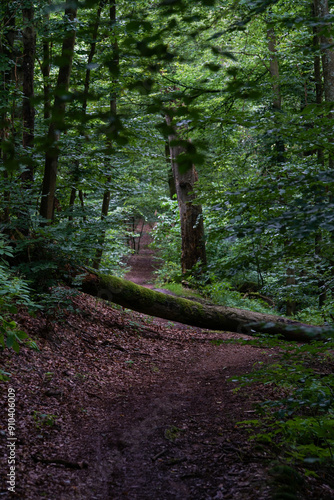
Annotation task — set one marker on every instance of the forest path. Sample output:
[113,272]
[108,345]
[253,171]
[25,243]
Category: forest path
[143,264]
[118,405]
[175,438]
[173,435]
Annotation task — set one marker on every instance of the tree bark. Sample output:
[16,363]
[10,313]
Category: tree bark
[277,97]
[279,145]
[71,202]
[57,120]
[144,300]
[92,54]
[76,171]
[101,238]
[317,78]
[321,9]
[191,217]
[274,69]
[7,76]
[113,111]
[28,109]
[46,66]
[171,180]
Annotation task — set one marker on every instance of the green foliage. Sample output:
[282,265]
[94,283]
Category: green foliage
[55,302]
[166,236]
[14,291]
[265,180]
[181,291]
[222,293]
[298,421]
[4,376]
[12,286]
[10,334]
[172,433]
[286,481]
[43,420]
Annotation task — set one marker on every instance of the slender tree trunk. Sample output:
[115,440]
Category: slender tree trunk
[320,153]
[46,64]
[113,111]
[28,108]
[171,180]
[279,146]
[317,63]
[274,69]
[290,280]
[101,239]
[81,198]
[92,54]
[321,9]
[318,84]
[191,216]
[76,171]
[277,98]
[57,119]
[7,77]
[71,202]
[321,281]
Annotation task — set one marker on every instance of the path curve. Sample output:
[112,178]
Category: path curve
[144,264]
[174,437]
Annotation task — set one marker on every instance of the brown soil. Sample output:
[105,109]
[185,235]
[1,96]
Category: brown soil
[118,405]
[142,264]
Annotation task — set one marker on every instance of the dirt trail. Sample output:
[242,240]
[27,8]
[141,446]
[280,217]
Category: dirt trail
[143,264]
[117,405]
[174,437]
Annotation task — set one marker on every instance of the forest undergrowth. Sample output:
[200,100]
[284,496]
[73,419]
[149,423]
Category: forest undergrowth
[161,410]
[111,403]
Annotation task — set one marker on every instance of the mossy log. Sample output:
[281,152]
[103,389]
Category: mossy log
[144,300]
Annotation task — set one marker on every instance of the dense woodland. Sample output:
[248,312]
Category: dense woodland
[99,100]
[210,120]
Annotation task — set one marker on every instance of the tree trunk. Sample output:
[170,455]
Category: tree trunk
[57,120]
[279,146]
[81,198]
[101,239]
[191,217]
[46,66]
[274,69]
[76,171]
[144,300]
[28,109]
[317,78]
[113,111]
[92,54]
[7,76]
[277,98]
[321,10]
[171,180]
[71,202]
[290,280]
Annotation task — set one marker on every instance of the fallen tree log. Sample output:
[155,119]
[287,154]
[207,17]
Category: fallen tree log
[144,300]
